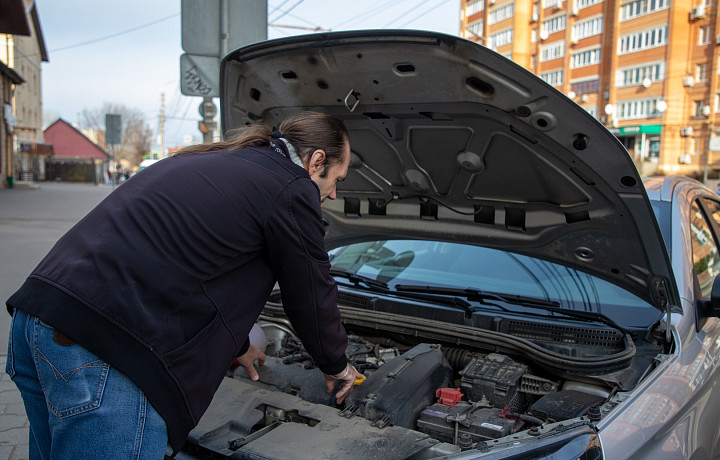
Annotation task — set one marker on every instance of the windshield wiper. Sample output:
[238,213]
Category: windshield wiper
[374,284]
[530,302]
[357,279]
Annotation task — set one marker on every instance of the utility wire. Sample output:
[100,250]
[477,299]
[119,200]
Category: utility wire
[402,15]
[288,11]
[369,12]
[442,3]
[127,31]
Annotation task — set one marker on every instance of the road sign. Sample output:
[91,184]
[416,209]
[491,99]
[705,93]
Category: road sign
[210,30]
[199,75]
[113,128]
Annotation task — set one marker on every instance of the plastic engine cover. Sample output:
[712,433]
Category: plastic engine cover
[397,392]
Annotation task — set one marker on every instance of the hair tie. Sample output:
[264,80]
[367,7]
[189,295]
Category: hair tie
[277,135]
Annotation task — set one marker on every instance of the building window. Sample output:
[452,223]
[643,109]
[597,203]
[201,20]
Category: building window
[631,76]
[475,6]
[552,51]
[585,87]
[554,77]
[500,38]
[533,61]
[701,73]
[637,8]
[587,28]
[579,4]
[639,108]
[549,3]
[501,13]
[586,57]
[704,36]
[642,40]
[554,24]
[698,109]
[592,110]
[476,28]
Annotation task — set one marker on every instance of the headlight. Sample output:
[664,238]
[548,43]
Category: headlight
[558,443]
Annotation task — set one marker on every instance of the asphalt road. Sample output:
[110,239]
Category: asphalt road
[31,220]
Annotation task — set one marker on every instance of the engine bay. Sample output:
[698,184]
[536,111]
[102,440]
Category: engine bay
[426,399]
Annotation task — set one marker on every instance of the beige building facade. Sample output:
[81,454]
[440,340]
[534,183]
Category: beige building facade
[646,69]
[24,53]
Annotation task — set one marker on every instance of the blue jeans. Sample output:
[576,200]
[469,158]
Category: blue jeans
[78,406]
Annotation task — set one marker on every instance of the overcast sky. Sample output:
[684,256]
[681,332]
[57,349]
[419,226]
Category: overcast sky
[128,52]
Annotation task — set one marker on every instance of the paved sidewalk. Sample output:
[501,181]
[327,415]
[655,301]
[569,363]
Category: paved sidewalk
[13,422]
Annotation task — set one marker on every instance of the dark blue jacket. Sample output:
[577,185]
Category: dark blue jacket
[166,276]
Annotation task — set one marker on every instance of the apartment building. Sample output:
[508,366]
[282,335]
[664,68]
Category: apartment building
[646,69]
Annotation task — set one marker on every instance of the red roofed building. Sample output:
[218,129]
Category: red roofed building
[76,158]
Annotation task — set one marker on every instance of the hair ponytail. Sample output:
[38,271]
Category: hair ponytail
[306,131]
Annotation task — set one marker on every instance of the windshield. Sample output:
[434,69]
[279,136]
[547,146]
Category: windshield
[442,264]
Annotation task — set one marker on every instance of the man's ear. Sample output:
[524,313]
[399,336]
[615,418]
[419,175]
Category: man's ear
[317,162]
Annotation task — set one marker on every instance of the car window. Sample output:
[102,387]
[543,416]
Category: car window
[713,209]
[706,257]
[453,265]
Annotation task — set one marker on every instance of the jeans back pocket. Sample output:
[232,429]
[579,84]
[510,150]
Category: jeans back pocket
[72,378]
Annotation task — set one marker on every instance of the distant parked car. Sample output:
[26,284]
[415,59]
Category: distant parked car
[510,287]
[145,163]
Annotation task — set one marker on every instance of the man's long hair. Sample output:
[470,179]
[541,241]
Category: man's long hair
[306,131]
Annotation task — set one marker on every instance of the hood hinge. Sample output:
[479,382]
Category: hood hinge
[659,293]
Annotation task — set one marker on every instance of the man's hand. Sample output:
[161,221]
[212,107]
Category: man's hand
[347,376]
[248,359]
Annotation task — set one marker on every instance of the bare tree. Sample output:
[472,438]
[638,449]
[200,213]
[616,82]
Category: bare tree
[135,137]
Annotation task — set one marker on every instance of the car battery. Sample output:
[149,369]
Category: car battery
[495,376]
[480,423]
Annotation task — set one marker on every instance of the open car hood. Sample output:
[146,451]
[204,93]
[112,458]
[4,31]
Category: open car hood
[451,141]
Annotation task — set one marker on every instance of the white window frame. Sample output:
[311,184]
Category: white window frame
[587,28]
[701,72]
[585,57]
[501,13]
[554,24]
[704,35]
[475,6]
[553,77]
[643,40]
[580,4]
[632,76]
[592,110]
[504,36]
[636,8]
[554,50]
[638,108]
[475,28]
[549,3]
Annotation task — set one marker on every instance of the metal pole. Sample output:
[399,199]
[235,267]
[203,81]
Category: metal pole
[707,153]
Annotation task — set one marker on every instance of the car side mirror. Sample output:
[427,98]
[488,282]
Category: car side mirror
[712,307]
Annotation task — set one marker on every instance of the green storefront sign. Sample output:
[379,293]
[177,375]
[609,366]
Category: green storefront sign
[633,130]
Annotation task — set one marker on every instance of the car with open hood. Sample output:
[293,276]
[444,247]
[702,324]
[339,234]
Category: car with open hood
[510,286]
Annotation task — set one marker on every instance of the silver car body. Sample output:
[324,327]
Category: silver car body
[674,412]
